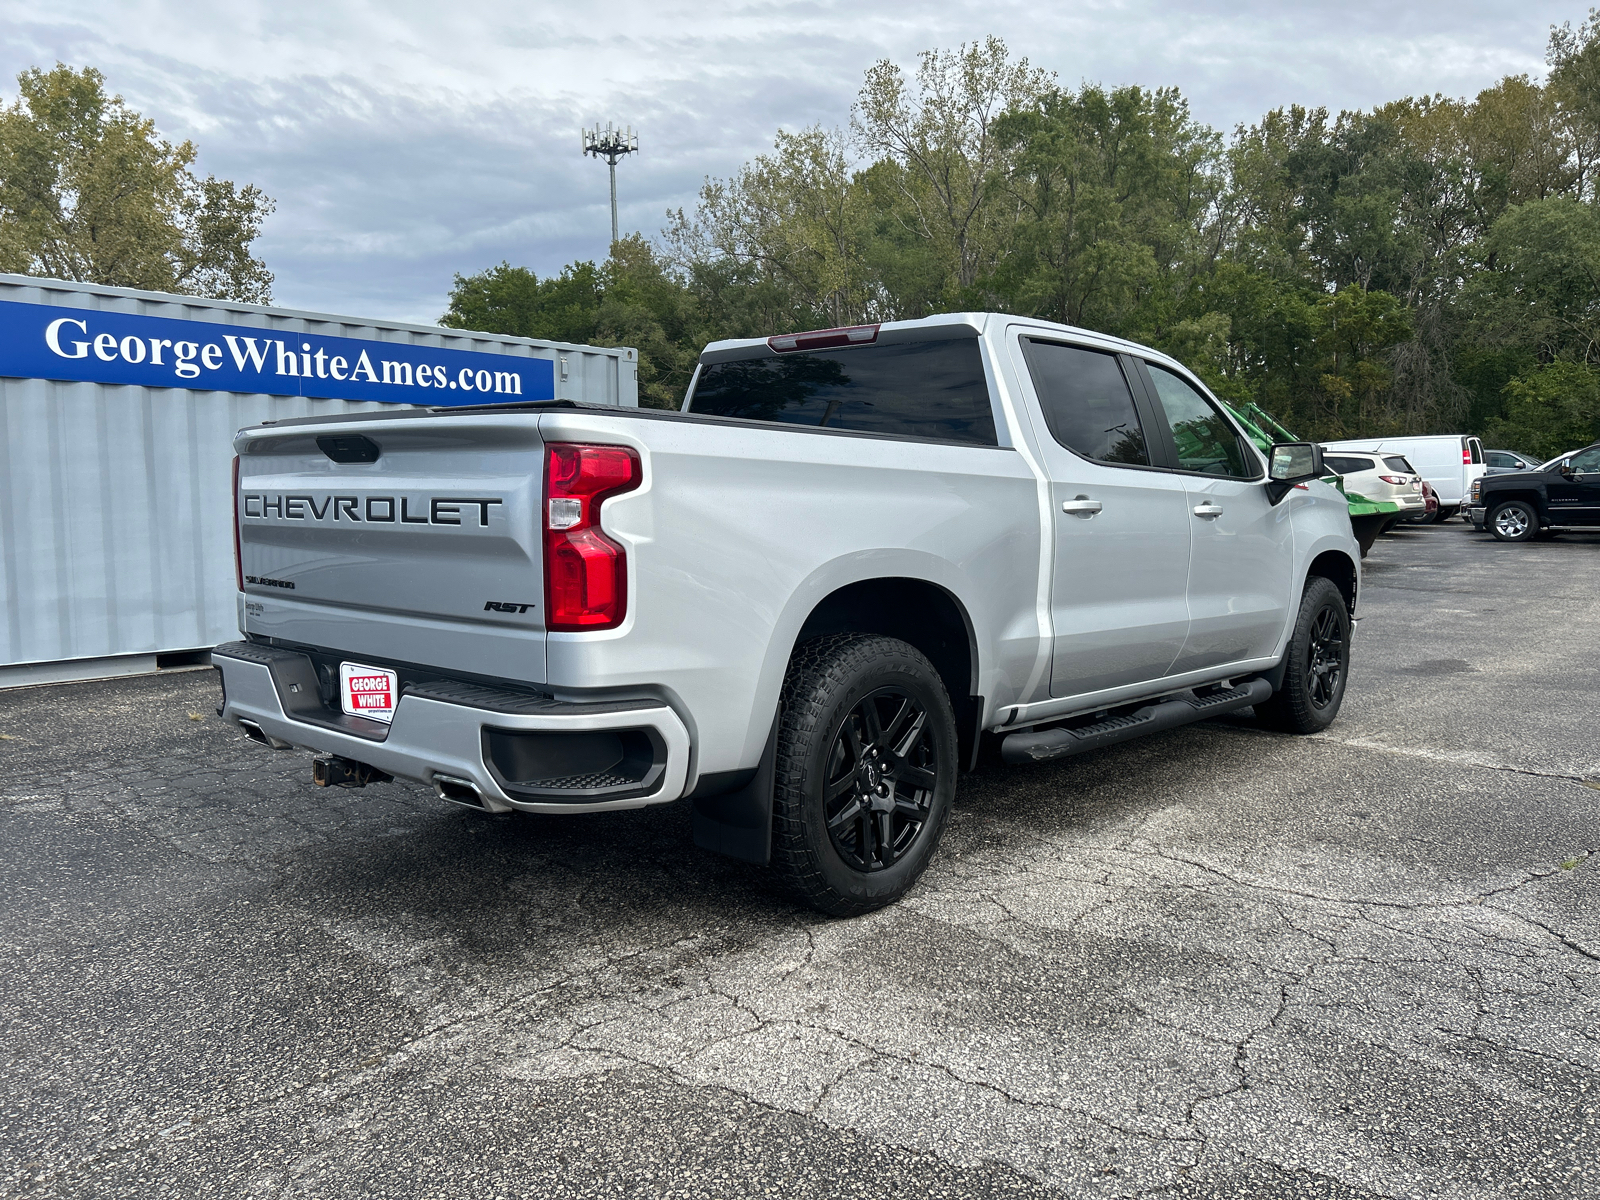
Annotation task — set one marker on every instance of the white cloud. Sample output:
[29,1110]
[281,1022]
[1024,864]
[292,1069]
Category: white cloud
[405,142]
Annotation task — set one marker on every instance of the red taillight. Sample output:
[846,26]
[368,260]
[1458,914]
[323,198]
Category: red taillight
[1466,455]
[585,572]
[1397,480]
[822,339]
[238,556]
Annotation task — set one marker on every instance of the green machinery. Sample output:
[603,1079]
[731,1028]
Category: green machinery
[1368,518]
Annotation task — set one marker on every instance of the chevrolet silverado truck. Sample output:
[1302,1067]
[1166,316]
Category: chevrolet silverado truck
[858,559]
[1517,506]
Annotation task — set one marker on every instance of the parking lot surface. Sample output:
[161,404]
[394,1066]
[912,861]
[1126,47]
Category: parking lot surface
[1216,962]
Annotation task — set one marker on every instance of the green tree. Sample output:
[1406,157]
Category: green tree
[799,218]
[940,135]
[645,305]
[1540,286]
[514,301]
[1353,330]
[1116,194]
[1550,410]
[89,192]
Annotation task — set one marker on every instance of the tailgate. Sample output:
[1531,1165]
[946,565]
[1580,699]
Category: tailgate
[410,541]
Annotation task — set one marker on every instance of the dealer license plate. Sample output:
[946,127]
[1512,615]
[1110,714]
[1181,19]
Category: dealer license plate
[368,691]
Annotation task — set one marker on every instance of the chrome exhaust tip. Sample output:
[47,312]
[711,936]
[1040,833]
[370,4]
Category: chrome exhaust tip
[257,734]
[460,791]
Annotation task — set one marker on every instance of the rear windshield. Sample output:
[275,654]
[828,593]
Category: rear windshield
[1399,462]
[909,389]
[1340,465]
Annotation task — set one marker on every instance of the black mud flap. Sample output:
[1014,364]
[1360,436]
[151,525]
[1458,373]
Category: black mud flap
[732,812]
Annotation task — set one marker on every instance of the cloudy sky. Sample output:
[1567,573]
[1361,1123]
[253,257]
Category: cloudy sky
[406,141]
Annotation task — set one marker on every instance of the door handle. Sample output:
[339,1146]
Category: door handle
[1208,511]
[1082,506]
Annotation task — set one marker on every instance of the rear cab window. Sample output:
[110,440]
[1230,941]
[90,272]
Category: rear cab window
[931,389]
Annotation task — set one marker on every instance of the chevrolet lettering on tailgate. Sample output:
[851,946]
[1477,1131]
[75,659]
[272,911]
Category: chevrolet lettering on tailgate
[378,510]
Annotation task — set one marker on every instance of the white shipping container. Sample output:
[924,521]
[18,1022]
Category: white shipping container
[116,543]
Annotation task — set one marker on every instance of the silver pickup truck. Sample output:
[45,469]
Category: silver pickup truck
[858,560]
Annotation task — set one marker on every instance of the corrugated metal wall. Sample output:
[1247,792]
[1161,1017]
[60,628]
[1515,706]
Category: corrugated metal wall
[115,514]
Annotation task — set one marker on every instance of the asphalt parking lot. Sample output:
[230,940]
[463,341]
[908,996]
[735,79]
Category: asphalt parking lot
[1217,962]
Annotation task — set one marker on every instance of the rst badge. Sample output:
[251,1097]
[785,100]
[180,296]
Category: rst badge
[368,691]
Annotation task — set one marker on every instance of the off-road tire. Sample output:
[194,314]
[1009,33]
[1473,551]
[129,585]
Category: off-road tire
[1519,519]
[829,681]
[1305,703]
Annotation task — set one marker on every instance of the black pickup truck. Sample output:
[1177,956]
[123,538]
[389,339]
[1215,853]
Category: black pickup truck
[1522,505]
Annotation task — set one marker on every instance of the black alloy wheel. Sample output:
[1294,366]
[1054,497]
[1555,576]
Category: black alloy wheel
[882,772]
[1316,663]
[1326,657]
[864,774]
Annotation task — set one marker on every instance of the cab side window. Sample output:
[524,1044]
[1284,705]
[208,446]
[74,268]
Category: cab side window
[1207,443]
[1587,462]
[1087,403]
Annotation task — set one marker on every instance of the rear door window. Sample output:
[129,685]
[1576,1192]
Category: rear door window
[1476,447]
[1087,403]
[1206,441]
[931,389]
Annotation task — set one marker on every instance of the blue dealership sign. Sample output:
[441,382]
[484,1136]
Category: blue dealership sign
[43,341]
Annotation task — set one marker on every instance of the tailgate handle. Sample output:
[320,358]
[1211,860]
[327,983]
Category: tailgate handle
[349,449]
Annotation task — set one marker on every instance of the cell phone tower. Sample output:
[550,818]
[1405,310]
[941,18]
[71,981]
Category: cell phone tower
[612,145]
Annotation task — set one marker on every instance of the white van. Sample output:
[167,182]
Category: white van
[1448,461]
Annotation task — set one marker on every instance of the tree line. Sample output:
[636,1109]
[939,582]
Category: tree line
[1431,265]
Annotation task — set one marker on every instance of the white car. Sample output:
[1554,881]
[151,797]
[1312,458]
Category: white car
[1449,462]
[1380,477]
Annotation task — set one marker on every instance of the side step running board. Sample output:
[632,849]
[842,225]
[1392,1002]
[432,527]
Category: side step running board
[1046,744]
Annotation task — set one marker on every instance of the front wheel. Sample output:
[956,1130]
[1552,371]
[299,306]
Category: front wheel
[865,772]
[1514,521]
[1318,663]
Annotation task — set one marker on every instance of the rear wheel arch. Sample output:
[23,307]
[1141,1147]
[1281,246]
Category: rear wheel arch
[922,614]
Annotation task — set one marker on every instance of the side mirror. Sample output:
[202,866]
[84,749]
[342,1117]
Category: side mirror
[1292,463]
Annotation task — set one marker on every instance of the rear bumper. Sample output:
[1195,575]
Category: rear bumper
[454,733]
